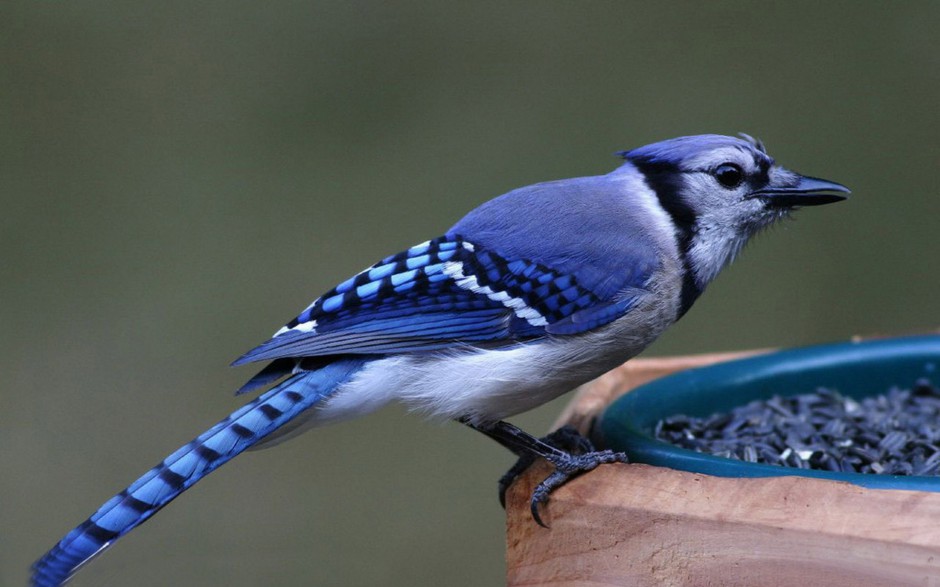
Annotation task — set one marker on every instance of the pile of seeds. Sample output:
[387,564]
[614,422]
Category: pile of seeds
[896,433]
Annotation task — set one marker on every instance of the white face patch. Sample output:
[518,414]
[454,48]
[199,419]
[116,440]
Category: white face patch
[725,218]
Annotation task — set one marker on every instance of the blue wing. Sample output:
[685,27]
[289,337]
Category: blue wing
[440,294]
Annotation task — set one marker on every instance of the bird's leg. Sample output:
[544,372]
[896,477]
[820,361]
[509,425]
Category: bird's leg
[565,438]
[571,454]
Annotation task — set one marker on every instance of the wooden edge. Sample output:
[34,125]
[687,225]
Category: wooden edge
[648,526]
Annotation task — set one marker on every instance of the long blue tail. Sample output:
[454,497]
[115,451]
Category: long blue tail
[182,469]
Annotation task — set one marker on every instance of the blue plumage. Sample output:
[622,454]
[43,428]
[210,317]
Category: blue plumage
[526,297]
[190,463]
[686,150]
[444,292]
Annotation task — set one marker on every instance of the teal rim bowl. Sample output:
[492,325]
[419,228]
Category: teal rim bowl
[854,369]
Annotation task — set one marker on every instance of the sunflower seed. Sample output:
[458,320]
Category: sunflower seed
[896,433]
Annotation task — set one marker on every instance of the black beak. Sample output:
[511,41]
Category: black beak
[805,191]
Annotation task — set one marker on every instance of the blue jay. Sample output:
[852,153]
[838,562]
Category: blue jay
[528,296]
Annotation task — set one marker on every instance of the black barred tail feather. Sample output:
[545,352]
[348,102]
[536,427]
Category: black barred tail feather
[181,470]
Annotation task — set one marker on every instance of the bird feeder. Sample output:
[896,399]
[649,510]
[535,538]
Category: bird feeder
[696,520]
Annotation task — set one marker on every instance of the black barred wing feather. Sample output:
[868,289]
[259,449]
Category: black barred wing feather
[439,294]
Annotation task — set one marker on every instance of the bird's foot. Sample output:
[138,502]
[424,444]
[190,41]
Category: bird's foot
[566,468]
[575,455]
[566,438]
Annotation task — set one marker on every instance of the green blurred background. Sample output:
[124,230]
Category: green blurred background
[178,180]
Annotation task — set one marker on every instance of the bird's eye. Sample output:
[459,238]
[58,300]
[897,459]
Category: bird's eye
[729,175]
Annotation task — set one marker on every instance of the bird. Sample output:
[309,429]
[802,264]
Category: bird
[526,297]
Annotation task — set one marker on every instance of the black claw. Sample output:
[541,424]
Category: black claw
[567,468]
[542,491]
[534,508]
[512,474]
[566,449]
[566,438]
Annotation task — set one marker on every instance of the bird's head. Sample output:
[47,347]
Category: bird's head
[719,191]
